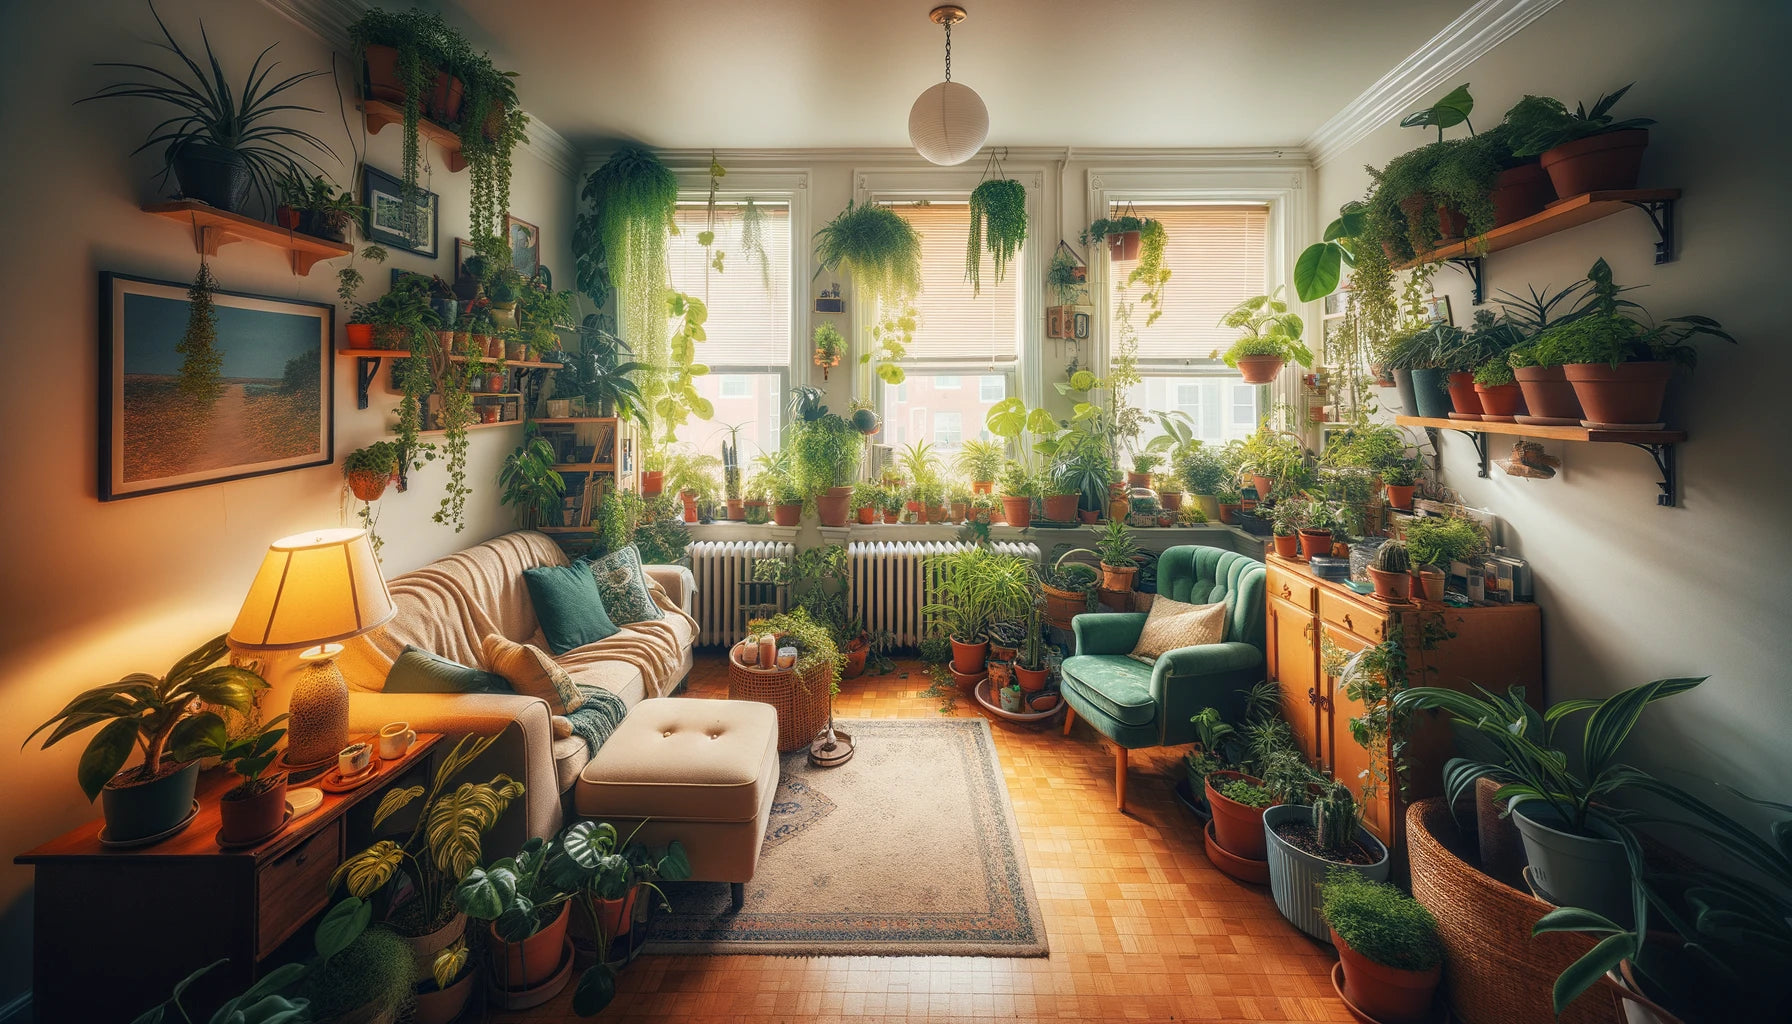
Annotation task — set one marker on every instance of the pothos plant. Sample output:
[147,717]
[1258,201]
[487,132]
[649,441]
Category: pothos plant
[998,213]
[1150,270]
[1371,678]
[621,243]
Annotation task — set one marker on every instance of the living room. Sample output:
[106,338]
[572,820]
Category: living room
[796,511]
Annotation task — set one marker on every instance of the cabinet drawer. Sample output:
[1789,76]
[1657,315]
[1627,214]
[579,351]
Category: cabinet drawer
[1352,617]
[1291,588]
[296,886]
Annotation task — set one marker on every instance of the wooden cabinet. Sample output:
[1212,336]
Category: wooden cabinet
[1313,623]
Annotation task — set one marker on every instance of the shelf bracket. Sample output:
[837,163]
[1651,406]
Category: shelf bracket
[1661,214]
[365,371]
[1476,269]
[1663,454]
[1435,435]
[1480,442]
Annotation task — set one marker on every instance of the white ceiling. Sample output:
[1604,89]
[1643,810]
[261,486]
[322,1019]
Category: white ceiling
[735,74]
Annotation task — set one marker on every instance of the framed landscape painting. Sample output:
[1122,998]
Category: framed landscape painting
[257,399]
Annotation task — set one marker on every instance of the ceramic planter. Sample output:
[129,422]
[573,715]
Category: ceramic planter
[652,482]
[1259,369]
[982,486]
[1520,192]
[1123,246]
[1388,995]
[1238,828]
[529,963]
[891,518]
[1295,874]
[1432,581]
[366,484]
[1228,511]
[855,659]
[1609,161]
[1262,484]
[1062,605]
[1118,578]
[213,175]
[867,515]
[1138,480]
[1061,508]
[1287,545]
[443,1006]
[967,681]
[1501,403]
[1626,394]
[1031,680]
[1170,500]
[1391,586]
[1017,510]
[1430,394]
[359,335]
[137,810]
[1400,496]
[251,818]
[969,658]
[1574,870]
[1403,388]
[1315,542]
[616,916]
[831,507]
[1464,403]
[787,515]
[1548,396]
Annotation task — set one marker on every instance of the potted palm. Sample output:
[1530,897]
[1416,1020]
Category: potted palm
[160,719]
[255,808]
[1388,950]
[1305,843]
[1119,556]
[1271,338]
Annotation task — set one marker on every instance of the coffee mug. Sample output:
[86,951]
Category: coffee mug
[354,759]
[395,739]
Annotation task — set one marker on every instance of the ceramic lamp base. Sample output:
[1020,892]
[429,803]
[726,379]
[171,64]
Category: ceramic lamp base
[318,728]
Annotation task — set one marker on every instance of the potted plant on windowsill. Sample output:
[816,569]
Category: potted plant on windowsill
[1018,491]
[1581,150]
[1203,472]
[1304,843]
[157,717]
[827,450]
[1271,338]
[1387,945]
[980,462]
[1119,556]
[255,808]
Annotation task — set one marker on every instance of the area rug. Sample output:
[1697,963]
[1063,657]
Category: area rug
[909,849]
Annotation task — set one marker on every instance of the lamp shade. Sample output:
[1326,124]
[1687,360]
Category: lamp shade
[313,588]
[948,123]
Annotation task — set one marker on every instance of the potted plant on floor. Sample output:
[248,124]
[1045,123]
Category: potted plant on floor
[606,875]
[980,462]
[1217,748]
[1238,801]
[1271,338]
[1069,590]
[1582,150]
[255,808]
[1030,669]
[1304,843]
[160,719]
[1391,572]
[1387,945]
[368,981]
[524,900]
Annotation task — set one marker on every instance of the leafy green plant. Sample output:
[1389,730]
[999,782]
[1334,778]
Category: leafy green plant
[1217,748]
[1278,455]
[1248,793]
[1440,540]
[979,460]
[1082,466]
[1495,373]
[1061,276]
[1269,330]
[1613,330]
[426,45]
[621,242]
[1448,112]
[880,250]
[813,641]
[998,212]
[492,125]
[1540,123]
[372,974]
[530,482]
[1379,921]
[201,379]
[158,717]
[977,588]
[1203,470]
[1115,545]
[247,756]
[828,450]
[1320,266]
[599,374]
[262,1003]
[829,343]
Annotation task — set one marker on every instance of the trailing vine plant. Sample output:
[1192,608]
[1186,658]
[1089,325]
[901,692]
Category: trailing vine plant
[752,240]
[423,41]
[491,126]
[882,252]
[998,211]
[201,381]
[1373,677]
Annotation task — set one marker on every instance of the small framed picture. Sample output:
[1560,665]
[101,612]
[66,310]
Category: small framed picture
[382,195]
[1437,311]
[525,245]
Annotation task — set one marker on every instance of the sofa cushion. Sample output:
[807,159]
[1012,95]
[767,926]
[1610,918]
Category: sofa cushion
[571,755]
[1118,685]
[684,759]
[568,606]
[621,678]
[623,586]
[532,673]
[1174,624]
[418,671]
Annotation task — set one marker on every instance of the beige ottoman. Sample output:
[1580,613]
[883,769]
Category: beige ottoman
[702,772]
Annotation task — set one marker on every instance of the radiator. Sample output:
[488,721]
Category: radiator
[719,567]
[890,581]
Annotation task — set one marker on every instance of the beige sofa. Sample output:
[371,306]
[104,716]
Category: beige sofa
[446,607]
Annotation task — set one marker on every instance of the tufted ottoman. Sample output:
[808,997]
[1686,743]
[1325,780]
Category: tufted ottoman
[702,772]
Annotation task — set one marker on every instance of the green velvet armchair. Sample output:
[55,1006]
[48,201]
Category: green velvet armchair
[1138,705]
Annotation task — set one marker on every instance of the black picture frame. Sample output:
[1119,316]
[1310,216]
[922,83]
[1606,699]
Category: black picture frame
[149,442]
[380,192]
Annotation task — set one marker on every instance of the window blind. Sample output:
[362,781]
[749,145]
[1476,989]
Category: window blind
[1217,257]
[749,324]
[953,325]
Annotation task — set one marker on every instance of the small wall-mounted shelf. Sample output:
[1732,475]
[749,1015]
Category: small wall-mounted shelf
[575,419]
[380,114]
[1658,443]
[475,426]
[367,367]
[1470,254]
[584,467]
[213,228]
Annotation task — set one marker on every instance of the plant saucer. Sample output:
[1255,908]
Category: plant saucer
[1437,1016]
[126,844]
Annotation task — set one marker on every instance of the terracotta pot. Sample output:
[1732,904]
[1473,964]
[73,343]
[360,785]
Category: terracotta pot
[1520,192]
[1463,399]
[1002,652]
[381,66]
[891,518]
[1123,246]
[1613,160]
[1018,511]
[1118,578]
[443,1006]
[1391,586]
[366,484]
[425,947]
[1315,542]
[1547,393]
[255,817]
[1502,402]
[652,482]
[787,515]
[969,658]
[855,659]
[1239,828]
[1031,680]
[616,917]
[690,512]
[1061,508]
[959,512]
[1226,512]
[1000,674]
[287,217]
[1432,582]
[1062,605]
[867,515]
[982,486]
[831,507]
[534,960]
[1044,700]
[1387,994]
[1255,872]
[1138,480]
[1289,546]
[1088,515]
[1626,393]
[1170,500]
[442,101]
[967,681]
[1114,600]
[360,335]
[1262,484]
[1451,224]
[1259,369]
[1400,496]
[737,509]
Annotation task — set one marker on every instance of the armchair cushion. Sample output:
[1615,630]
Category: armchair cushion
[1107,632]
[1173,624]
[1117,685]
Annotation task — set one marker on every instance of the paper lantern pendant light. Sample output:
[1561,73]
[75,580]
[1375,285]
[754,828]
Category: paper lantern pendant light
[949,122]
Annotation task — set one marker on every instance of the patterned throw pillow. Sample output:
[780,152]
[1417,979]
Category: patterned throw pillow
[622,584]
[1175,624]
[532,673]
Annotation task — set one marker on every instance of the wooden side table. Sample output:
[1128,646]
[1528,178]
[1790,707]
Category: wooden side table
[115,929]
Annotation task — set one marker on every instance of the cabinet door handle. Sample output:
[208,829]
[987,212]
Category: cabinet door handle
[1287,592]
[1348,624]
[1306,633]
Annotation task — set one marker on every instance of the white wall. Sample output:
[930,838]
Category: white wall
[95,590]
[1632,591]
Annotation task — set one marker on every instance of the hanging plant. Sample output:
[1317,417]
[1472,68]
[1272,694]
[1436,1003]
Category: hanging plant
[998,211]
[876,246]
[1063,277]
[491,126]
[201,377]
[829,346]
[366,472]
[1129,237]
[426,47]
[457,382]
[890,338]
[671,392]
[707,237]
[752,240]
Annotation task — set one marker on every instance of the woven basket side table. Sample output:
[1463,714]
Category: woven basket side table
[801,699]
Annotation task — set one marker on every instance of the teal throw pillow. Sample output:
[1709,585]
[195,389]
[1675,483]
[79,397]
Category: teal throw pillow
[568,606]
[623,585]
[419,671]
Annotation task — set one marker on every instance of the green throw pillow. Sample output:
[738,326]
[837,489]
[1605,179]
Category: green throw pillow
[623,585]
[419,671]
[568,606]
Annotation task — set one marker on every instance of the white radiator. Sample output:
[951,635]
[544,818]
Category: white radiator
[719,566]
[890,582]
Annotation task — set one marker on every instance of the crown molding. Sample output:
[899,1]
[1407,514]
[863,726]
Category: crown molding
[329,20]
[1471,36]
[903,157]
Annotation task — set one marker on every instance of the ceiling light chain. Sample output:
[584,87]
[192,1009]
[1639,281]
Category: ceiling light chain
[948,51]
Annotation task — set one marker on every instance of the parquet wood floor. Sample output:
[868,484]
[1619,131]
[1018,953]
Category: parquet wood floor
[1141,926]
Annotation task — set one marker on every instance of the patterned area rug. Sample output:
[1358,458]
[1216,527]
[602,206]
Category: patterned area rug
[909,849]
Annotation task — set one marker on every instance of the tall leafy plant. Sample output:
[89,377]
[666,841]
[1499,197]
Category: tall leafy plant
[998,219]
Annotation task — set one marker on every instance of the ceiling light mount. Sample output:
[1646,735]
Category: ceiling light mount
[947,14]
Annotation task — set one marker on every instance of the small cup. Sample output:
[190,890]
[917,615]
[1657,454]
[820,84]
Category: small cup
[354,759]
[786,657]
[395,740]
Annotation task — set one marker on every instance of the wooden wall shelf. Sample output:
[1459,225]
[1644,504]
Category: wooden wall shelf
[214,228]
[1572,212]
[475,426]
[1658,443]
[368,360]
[380,114]
[575,419]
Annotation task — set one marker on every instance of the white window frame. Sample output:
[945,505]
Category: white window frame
[934,435]
[746,385]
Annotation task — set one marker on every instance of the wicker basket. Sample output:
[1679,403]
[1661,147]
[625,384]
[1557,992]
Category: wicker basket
[801,700]
[1494,971]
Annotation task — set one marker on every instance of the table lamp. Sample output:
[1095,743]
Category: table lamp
[313,591]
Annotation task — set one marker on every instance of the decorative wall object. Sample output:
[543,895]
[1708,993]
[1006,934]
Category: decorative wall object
[525,245]
[382,194]
[264,405]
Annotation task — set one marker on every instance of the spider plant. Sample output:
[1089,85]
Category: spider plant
[876,246]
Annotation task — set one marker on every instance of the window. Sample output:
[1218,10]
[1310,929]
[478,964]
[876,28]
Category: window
[749,346]
[956,334]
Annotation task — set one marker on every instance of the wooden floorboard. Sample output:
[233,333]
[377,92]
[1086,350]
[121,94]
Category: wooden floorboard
[1141,926]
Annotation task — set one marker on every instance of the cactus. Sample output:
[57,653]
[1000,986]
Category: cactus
[1335,820]
[1392,557]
